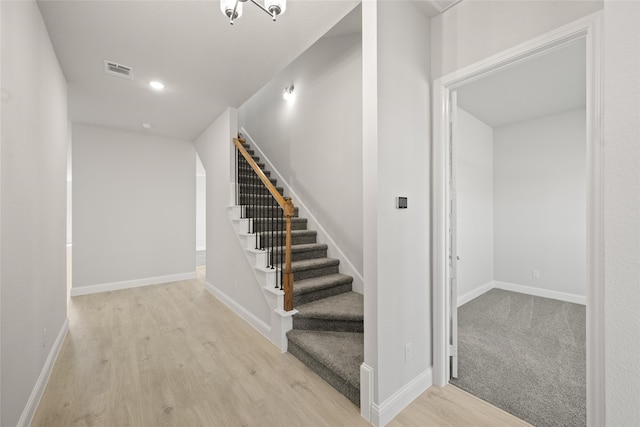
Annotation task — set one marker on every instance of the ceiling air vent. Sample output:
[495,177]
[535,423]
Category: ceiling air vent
[119,70]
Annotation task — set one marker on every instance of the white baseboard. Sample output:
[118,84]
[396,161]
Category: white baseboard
[538,292]
[383,413]
[258,324]
[366,391]
[128,284]
[475,293]
[41,383]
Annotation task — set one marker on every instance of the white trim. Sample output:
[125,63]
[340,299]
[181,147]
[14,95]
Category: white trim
[595,226]
[366,391]
[589,27]
[539,292]
[382,414]
[475,293]
[201,248]
[258,324]
[43,379]
[346,265]
[129,284]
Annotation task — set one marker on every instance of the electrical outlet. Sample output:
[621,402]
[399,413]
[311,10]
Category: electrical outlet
[44,338]
[535,273]
[408,352]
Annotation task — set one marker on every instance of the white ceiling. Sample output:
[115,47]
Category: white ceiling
[205,63]
[548,84]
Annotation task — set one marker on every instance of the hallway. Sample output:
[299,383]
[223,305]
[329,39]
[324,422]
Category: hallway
[173,355]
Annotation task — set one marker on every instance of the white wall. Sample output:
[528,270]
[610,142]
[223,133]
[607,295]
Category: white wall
[133,208]
[474,152]
[314,141]
[622,211]
[540,203]
[33,205]
[396,162]
[474,30]
[201,206]
[228,270]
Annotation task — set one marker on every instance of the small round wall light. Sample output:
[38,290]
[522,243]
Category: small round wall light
[287,94]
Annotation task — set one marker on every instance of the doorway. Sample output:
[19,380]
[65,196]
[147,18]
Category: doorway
[518,197]
[445,298]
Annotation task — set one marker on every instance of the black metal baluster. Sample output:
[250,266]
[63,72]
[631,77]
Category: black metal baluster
[241,184]
[271,219]
[282,247]
[252,198]
[262,210]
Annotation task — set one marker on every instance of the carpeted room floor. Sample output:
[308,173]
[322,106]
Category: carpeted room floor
[526,355]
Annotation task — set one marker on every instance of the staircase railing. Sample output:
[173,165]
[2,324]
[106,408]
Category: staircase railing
[268,216]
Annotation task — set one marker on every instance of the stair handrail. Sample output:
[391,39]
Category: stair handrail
[288,209]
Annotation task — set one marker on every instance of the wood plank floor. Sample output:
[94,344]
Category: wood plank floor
[173,355]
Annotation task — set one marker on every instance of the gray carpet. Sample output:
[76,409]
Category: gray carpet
[526,355]
[334,356]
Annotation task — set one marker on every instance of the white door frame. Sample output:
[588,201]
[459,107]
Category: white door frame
[589,28]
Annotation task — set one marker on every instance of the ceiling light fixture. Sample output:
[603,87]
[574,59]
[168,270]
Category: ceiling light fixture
[156,85]
[287,94]
[146,125]
[232,9]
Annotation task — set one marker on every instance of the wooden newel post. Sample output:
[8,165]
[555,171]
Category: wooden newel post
[288,274]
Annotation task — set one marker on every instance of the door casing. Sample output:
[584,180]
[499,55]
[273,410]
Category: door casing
[589,28]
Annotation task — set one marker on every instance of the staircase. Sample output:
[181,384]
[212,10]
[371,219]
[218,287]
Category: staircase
[327,333]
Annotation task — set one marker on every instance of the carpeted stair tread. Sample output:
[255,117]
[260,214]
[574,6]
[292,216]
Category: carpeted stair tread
[309,264]
[340,352]
[298,237]
[307,247]
[311,285]
[266,224]
[304,247]
[294,233]
[302,251]
[346,306]
[315,288]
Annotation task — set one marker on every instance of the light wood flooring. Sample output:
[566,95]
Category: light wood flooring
[173,355]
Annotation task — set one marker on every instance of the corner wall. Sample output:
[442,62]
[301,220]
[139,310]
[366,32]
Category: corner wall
[396,162]
[540,194]
[475,205]
[32,210]
[229,275]
[622,211]
[133,209]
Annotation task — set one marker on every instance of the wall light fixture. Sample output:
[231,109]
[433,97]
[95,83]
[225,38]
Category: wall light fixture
[287,93]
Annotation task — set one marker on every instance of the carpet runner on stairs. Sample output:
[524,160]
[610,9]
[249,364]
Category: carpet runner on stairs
[327,333]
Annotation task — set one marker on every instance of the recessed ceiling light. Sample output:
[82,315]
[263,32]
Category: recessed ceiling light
[156,85]
[146,125]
